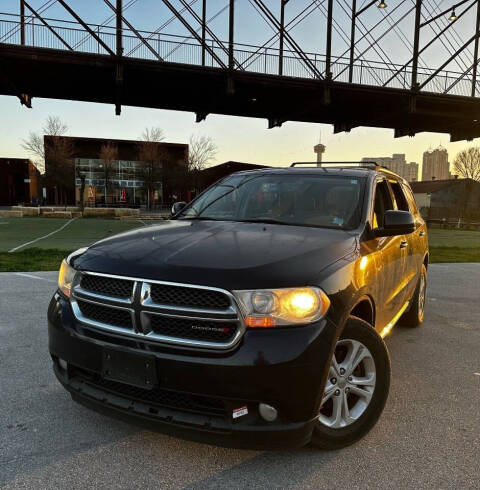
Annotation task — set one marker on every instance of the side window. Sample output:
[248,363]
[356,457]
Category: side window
[400,199]
[382,203]
[411,200]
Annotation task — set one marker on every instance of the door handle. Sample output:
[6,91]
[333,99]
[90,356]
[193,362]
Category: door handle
[422,233]
[403,244]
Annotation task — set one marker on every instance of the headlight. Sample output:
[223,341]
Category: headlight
[271,307]
[65,278]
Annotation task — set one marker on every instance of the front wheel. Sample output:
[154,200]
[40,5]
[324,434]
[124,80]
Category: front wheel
[356,389]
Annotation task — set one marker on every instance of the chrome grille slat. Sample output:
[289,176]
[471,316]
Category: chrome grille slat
[168,319]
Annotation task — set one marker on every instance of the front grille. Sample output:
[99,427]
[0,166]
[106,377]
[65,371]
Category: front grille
[157,396]
[189,297]
[105,314]
[207,331]
[198,316]
[107,286]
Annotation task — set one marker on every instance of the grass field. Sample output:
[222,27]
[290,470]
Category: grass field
[47,253]
[79,233]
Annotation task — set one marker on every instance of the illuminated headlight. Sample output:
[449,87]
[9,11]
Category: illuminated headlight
[289,306]
[66,276]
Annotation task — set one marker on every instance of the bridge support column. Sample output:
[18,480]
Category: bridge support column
[119,66]
[328,62]
[22,22]
[352,40]
[416,43]
[231,26]
[475,53]
[282,35]
[204,29]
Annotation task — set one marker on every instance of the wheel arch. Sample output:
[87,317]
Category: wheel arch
[364,309]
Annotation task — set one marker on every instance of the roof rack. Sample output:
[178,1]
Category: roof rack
[364,164]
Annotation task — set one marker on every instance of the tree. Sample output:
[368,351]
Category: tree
[58,151]
[108,158]
[81,175]
[152,157]
[34,144]
[467,163]
[201,152]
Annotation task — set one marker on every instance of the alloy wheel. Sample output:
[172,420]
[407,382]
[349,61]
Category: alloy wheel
[350,385]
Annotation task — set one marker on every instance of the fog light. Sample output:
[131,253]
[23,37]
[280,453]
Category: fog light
[63,364]
[267,412]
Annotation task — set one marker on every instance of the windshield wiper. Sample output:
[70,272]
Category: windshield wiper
[206,218]
[268,221]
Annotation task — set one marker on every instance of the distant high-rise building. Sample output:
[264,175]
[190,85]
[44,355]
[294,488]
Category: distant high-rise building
[398,164]
[435,165]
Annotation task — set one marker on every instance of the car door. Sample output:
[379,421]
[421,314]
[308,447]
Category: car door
[393,253]
[417,241]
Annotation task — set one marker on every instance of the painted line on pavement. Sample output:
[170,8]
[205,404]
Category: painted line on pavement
[42,237]
[31,276]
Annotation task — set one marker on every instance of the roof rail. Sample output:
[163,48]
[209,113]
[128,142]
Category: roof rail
[340,164]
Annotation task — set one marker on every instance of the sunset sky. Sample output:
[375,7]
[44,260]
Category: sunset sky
[241,139]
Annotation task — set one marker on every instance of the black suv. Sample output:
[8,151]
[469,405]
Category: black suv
[254,317]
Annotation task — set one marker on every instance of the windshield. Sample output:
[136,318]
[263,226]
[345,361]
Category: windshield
[301,199]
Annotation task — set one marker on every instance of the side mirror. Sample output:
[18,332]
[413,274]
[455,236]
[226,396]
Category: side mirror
[178,206]
[396,223]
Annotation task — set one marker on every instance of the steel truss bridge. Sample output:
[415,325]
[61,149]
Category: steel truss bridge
[278,80]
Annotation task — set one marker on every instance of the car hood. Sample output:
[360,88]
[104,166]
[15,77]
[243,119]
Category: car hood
[230,255]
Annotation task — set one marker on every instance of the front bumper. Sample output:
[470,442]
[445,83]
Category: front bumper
[285,368]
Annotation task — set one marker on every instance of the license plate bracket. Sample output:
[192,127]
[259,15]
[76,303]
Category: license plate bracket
[133,369]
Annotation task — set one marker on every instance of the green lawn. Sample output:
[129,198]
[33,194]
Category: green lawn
[79,233]
[453,238]
[47,253]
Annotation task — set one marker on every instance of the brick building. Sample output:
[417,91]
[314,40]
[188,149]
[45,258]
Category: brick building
[19,182]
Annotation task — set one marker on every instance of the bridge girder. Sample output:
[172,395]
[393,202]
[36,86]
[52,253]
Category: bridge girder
[202,90]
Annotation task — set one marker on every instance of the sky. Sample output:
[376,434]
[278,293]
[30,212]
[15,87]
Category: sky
[240,139]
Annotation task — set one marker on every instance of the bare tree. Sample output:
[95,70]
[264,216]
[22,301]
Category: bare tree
[201,152]
[153,134]
[80,174]
[152,158]
[108,158]
[34,144]
[467,163]
[58,150]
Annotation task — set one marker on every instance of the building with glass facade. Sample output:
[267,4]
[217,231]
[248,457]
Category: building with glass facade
[123,179]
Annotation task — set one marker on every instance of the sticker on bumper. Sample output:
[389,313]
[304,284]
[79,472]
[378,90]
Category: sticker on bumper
[240,412]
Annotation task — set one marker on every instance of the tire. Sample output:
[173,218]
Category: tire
[329,433]
[415,314]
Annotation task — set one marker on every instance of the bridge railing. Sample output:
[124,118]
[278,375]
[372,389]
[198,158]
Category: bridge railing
[65,35]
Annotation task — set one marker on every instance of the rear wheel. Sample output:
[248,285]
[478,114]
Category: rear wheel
[414,316]
[356,389]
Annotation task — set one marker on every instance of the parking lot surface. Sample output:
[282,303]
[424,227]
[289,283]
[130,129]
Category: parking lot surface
[428,436]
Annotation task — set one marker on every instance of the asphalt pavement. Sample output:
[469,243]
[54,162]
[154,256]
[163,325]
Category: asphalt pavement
[427,437]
